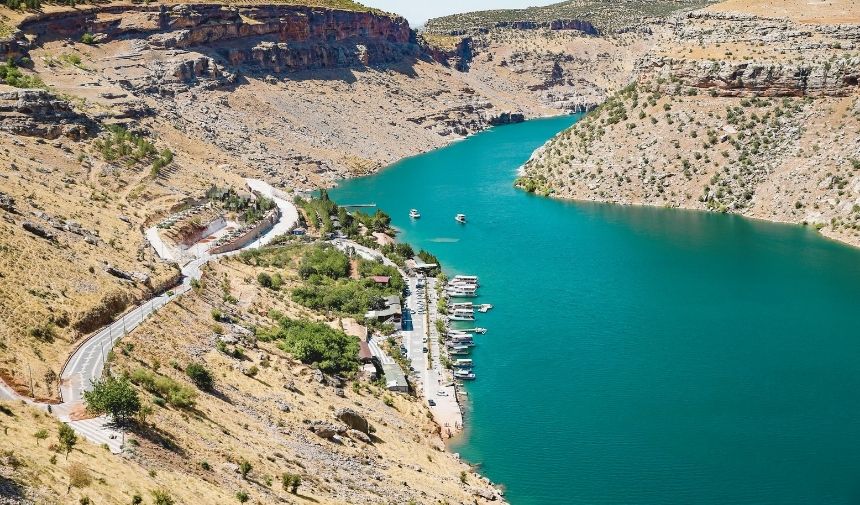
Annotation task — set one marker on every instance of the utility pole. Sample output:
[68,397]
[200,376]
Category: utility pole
[30,370]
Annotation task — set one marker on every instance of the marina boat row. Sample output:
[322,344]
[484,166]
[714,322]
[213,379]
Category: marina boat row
[459,343]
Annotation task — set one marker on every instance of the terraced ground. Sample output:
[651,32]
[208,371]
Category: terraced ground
[606,16]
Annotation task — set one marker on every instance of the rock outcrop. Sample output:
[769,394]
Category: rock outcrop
[353,419]
[767,78]
[38,113]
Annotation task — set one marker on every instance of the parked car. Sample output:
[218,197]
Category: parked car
[431,402]
[441,393]
[426,350]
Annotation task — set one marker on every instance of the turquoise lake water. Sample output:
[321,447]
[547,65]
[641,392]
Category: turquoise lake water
[639,355]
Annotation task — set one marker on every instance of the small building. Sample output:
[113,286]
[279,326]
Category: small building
[382,280]
[392,313]
[299,231]
[364,354]
[416,264]
[395,379]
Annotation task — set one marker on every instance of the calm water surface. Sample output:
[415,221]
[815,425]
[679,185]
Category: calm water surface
[639,355]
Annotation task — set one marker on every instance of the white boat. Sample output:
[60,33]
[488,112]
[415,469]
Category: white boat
[463,362]
[459,350]
[470,330]
[461,316]
[460,218]
[414,214]
[473,279]
[461,305]
[485,307]
[461,291]
[464,375]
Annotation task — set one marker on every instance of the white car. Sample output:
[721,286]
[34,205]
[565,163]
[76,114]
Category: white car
[441,393]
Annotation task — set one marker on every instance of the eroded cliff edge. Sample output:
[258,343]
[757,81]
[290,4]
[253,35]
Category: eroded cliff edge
[731,112]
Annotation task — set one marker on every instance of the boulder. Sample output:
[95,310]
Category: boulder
[38,231]
[357,435]
[352,419]
[327,430]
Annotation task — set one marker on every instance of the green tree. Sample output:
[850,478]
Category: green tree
[40,435]
[114,396]
[67,438]
[200,376]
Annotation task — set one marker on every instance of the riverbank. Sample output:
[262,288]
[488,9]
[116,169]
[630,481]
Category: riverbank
[613,323]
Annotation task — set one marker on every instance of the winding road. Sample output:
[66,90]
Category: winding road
[87,362]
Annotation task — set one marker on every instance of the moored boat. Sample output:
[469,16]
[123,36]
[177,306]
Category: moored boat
[460,218]
[464,375]
[414,214]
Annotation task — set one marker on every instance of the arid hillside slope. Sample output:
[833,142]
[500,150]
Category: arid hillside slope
[733,112]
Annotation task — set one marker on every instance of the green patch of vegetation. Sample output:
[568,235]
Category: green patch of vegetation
[22,4]
[12,75]
[165,388]
[328,285]
[200,376]
[120,145]
[315,344]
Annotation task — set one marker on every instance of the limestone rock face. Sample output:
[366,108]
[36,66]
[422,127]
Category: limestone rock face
[38,113]
[735,78]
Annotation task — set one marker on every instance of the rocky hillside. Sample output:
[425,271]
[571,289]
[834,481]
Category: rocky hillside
[732,112]
[590,16]
[260,416]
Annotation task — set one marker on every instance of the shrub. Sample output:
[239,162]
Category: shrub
[88,38]
[264,280]
[291,482]
[79,476]
[12,75]
[200,376]
[161,497]
[242,496]
[245,468]
[163,387]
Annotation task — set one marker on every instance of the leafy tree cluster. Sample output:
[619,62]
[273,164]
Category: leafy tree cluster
[315,344]
[326,261]
[12,75]
[329,286]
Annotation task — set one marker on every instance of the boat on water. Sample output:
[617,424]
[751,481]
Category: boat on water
[461,305]
[485,307]
[480,331]
[414,214]
[464,375]
[460,350]
[462,315]
[463,362]
[471,279]
[460,218]
[460,343]
[461,291]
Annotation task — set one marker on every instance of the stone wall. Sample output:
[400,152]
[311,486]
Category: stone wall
[251,234]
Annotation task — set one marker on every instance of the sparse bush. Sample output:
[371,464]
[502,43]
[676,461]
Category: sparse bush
[291,482]
[79,476]
[200,376]
[245,468]
[88,38]
[161,497]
